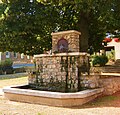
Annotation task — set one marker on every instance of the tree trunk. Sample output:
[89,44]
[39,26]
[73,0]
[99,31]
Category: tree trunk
[84,29]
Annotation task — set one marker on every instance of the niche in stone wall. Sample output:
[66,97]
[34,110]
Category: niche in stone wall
[62,45]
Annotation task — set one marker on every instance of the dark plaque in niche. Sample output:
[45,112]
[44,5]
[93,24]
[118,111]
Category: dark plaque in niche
[62,45]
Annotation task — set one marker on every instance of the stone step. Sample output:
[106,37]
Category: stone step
[112,74]
[117,62]
[111,69]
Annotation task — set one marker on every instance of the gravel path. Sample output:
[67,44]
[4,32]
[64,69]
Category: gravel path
[16,108]
[107,107]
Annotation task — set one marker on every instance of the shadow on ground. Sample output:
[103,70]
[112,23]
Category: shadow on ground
[103,101]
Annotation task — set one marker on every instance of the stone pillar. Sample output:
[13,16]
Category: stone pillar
[71,37]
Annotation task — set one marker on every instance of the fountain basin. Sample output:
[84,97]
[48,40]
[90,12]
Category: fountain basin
[16,93]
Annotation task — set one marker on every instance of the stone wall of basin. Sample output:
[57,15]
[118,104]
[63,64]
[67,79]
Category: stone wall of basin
[52,70]
[59,72]
[109,83]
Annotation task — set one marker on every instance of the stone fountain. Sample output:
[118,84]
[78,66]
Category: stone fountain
[60,71]
[56,81]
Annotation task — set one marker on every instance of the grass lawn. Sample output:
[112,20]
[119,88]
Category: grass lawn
[13,81]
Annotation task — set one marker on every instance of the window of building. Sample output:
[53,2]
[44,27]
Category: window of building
[28,57]
[15,55]
[22,56]
[7,54]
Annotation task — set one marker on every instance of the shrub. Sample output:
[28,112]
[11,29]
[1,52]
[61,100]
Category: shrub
[111,55]
[100,60]
[8,62]
[6,66]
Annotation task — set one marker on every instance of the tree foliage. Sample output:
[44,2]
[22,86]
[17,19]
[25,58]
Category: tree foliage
[26,26]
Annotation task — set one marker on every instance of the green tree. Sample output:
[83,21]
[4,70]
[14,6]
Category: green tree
[25,27]
[29,23]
